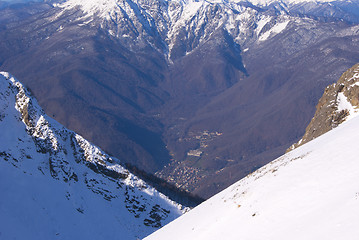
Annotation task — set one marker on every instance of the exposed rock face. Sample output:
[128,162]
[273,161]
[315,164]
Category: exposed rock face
[338,104]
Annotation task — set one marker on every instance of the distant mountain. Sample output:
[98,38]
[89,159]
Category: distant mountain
[308,193]
[14,3]
[24,1]
[200,93]
[54,184]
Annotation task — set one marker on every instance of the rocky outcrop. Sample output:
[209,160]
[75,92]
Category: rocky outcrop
[33,146]
[338,104]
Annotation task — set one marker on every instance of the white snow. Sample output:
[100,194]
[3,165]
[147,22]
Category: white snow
[107,5]
[355,78]
[355,84]
[278,28]
[262,22]
[310,193]
[60,28]
[176,17]
[48,190]
[91,7]
[344,104]
[105,8]
[191,9]
[267,2]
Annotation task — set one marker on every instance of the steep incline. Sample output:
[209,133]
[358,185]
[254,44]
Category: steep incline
[56,185]
[339,103]
[200,93]
[309,193]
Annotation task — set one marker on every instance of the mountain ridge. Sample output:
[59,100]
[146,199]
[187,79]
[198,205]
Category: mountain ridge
[202,101]
[62,184]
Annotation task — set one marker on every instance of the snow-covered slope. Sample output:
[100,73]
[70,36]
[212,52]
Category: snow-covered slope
[309,193]
[56,185]
[130,65]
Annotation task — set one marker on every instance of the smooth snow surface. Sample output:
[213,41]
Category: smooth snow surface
[310,193]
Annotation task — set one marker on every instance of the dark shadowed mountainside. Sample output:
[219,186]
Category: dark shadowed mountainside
[198,93]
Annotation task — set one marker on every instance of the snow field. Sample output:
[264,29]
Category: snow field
[309,193]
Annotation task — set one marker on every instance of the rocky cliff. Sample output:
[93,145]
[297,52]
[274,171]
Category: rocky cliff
[339,103]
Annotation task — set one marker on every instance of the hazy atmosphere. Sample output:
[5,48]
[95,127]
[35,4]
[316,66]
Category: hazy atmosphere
[124,115]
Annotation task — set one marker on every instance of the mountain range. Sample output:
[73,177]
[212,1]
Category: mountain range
[199,93]
[187,94]
[57,185]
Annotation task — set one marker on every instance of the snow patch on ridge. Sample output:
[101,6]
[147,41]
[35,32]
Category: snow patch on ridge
[261,23]
[267,2]
[91,7]
[344,104]
[278,28]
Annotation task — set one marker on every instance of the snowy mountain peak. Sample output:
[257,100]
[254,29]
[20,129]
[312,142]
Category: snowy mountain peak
[106,8]
[177,27]
[63,184]
[163,24]
[267,2]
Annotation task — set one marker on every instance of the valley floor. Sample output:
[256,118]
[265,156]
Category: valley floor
[309,193]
